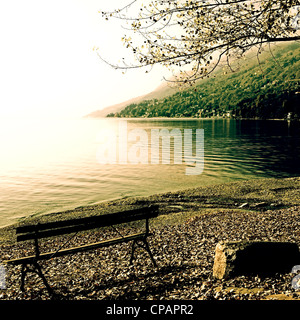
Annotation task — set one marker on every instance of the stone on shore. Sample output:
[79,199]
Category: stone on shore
[237,258]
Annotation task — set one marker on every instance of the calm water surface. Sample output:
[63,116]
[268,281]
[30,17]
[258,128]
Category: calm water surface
[49,166]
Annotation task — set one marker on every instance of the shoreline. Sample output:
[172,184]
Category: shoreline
[194,118]
[175,206]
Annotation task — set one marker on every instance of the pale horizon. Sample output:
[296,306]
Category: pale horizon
[48,65]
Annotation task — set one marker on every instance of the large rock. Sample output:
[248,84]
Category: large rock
[254,258]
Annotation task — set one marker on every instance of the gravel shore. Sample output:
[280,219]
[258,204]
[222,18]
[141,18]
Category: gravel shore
[185,235]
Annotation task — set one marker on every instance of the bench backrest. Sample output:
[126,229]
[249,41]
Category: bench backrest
[45,230]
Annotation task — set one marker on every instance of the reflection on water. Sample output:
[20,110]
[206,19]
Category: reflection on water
[51,166]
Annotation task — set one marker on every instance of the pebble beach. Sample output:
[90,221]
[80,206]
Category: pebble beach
[184,236]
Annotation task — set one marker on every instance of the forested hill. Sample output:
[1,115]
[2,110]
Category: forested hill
[269,89]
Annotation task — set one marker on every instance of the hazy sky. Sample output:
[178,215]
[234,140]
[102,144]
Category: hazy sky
[47,63]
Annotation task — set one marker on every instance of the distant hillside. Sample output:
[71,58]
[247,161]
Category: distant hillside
[162,91]
[114,108]
[269,89]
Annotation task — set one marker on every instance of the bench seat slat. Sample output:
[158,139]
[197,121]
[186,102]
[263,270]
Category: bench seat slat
[101,220]
[67,251]
[75,225]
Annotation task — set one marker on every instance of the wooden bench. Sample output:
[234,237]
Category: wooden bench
[57,228]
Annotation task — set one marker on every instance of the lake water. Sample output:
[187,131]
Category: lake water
[50,166]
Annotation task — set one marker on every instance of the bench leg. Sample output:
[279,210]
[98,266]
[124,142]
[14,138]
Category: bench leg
[132,252]
[23,273]
[37,269]
[40,273]
[150,253]
[145,246]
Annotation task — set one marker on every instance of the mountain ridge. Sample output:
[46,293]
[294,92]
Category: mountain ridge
[254,90]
